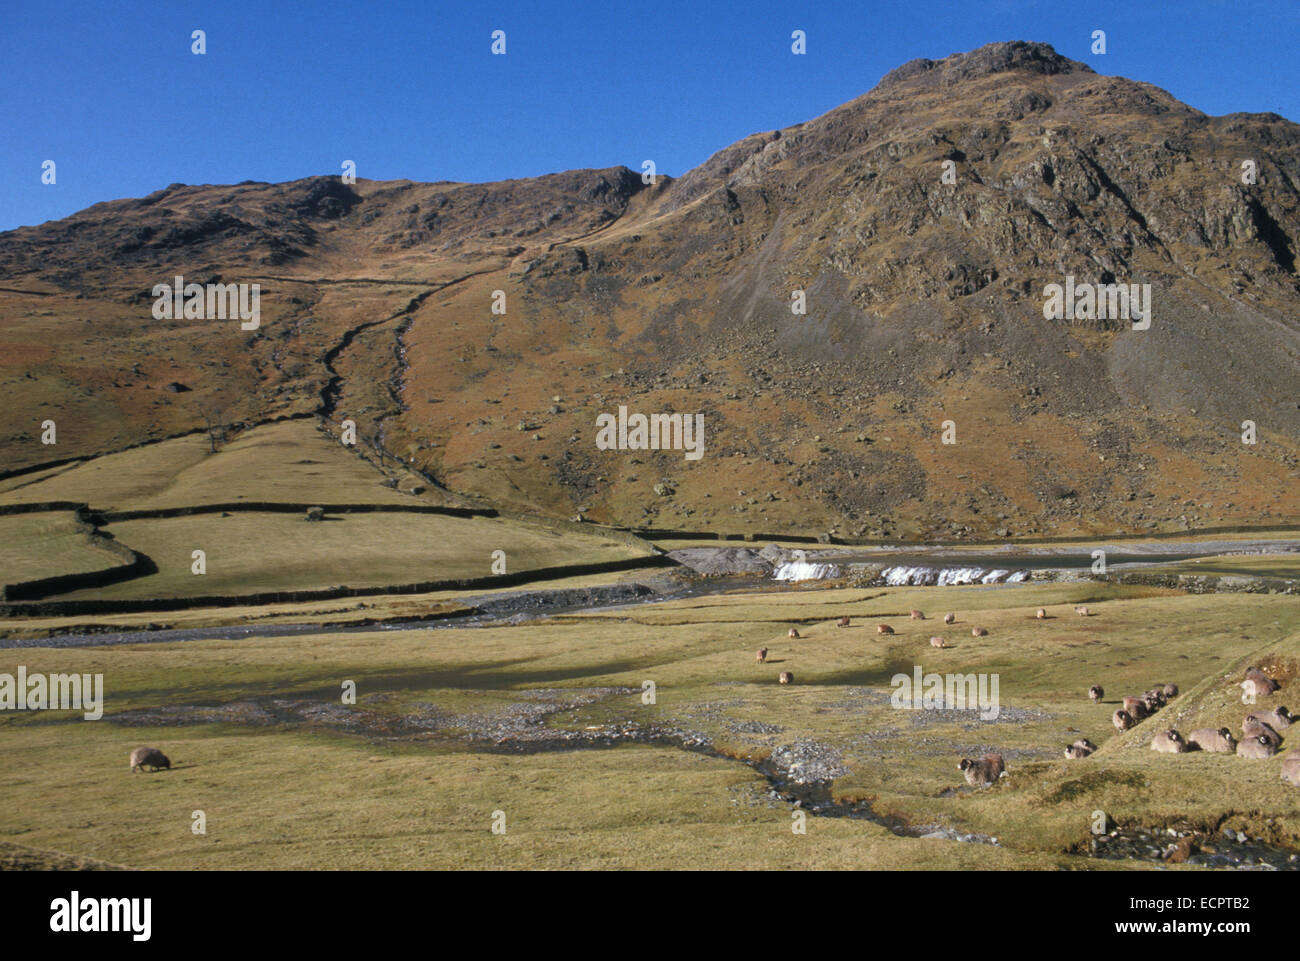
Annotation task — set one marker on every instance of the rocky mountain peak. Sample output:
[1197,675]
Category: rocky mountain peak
[992,58]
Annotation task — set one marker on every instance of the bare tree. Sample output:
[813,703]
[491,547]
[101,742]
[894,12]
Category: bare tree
[217,426]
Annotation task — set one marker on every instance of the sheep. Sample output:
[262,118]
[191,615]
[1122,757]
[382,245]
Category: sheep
[1255,687]
[1041,614]
[1278,719]
[1251,727]
[917,616]
[843,621]
[1122,720]
[884,629]
[1155,699]
[983,772]
[938,642]
[1080,749]
[1136,707]
[792,634]
[1171,690]
[950,618]
[149,756]
[762,655]
[1096,692]
[1169,742]
[1082,611]
[1218,741]
[1256,747]
[786,677]
[1291,768]
[1263,684]
[979,632]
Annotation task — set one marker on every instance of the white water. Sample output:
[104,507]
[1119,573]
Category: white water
[805,571]
[947,576]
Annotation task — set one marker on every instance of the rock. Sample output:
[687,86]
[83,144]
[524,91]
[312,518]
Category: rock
[714,561]
[315,513]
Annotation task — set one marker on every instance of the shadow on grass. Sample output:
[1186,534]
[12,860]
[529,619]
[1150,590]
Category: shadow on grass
[503,675]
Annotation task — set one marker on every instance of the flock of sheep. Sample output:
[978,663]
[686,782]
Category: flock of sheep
[1259,729]
[1260,738]
[788,678]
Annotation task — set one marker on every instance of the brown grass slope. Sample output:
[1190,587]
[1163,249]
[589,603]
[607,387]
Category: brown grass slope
[924,305]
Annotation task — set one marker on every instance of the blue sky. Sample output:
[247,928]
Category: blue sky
[111,92]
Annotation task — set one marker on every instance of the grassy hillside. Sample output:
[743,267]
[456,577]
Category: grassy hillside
[287,462]
[252,552]
[49,543]
[248,552]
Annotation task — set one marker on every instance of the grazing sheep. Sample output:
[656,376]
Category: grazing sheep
[149,756]
[1218,741]
[792,633]
[1279,719]
[1082,611]
[938,642]
[1136,707]
[843,621]
[1122,720]
[983,772]
[1041,614]
[1080,748]
[917,616]
[1291,768]
[979,632]
[1096,692]
[1263,683]
[762,654]
[786,677]
[1169,742]
[949,618]
[884,629]
[1251,727]
[1256,747]
[1171,690]
[1155,699]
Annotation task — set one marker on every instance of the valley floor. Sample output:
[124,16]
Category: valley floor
[550,728]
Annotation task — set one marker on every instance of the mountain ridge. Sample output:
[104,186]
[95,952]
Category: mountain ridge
[924,305]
